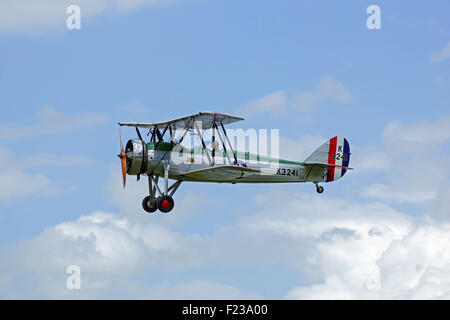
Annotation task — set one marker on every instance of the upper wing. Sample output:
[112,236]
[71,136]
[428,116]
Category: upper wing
[220,173]
[207,119]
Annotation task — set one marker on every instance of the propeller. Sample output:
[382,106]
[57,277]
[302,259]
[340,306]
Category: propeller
[123,160]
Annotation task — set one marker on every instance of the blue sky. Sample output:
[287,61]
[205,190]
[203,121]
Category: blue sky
[311,70]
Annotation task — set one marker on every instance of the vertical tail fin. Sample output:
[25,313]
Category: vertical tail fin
[335,155]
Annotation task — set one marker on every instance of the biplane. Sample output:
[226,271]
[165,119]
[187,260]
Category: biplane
[221,163]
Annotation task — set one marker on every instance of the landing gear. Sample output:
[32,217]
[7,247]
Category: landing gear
[319,189]
[149,204]
[164,202]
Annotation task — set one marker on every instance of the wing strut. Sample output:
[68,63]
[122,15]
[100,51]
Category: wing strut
[213,141]
[158,133]
[152,138]
[171,137]
[185,132]
[171,133]
[223,144]
[203,143]
[162,135]
[229,143]
[139,134]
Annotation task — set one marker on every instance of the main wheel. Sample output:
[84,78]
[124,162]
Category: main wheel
[148,205]
[319,189]
[165,203]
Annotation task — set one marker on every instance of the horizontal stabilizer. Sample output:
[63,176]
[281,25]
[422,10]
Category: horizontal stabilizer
[328,165]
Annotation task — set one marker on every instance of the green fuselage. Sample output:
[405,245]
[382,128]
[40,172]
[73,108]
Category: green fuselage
[183,160]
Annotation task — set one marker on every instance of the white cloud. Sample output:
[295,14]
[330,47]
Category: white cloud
[10,160]
[360,251]
[114,249]
[333,288]
[442,55]
[111,251]
[322,214]
[18,184]
[417,136]
[15,183]
[50,121]
[418,265]
[200,290]
[328,89]
[103,245]
[368,159]
[343,250]
[44,159]
[400,192]
[31,17]
[413,159]
[271,103]
[441,204]
[409,180]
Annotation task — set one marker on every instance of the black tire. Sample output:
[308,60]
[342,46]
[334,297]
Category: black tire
[148,206]
[319,189]
[165,203]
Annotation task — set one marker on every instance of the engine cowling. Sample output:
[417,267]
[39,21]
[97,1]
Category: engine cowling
[136,153]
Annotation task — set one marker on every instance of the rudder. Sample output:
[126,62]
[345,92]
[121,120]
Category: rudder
[334,154]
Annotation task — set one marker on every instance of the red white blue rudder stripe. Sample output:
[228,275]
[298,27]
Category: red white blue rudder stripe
[334,156]
[338,158]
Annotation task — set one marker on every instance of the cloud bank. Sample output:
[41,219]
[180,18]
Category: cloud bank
[339,248]
[36,17]
[328,90]
[51,121]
